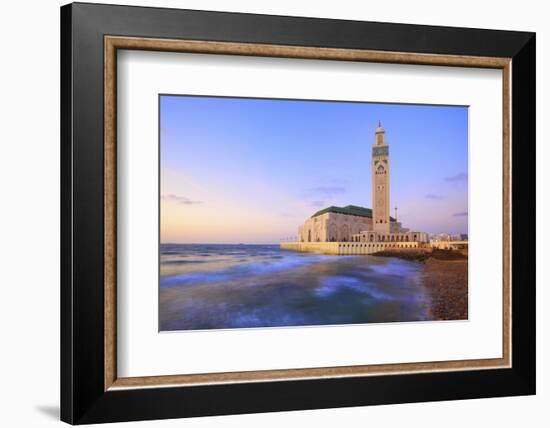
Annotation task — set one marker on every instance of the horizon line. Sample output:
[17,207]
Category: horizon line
[214,243]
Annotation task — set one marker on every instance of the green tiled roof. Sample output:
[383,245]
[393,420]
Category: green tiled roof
[349,210]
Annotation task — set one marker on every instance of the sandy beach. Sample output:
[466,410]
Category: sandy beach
[447,281]
[445,275]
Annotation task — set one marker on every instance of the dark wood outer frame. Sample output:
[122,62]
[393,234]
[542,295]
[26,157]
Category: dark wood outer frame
[84,374]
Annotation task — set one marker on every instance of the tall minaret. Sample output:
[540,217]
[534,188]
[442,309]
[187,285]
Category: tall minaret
[380,182]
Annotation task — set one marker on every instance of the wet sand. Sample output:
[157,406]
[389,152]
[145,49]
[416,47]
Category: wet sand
[445,274]
[424,254]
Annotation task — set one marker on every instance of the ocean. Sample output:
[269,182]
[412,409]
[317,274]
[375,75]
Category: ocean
[205,286]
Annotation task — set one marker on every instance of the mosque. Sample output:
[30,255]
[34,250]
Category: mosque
[358,224]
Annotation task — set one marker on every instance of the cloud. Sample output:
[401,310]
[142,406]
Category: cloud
[326,191]
[460,177]
[433,196]
[317,204]
[180,199]
[461,214]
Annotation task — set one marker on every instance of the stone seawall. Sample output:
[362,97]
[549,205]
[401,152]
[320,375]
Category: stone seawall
[449,245]
[345,248]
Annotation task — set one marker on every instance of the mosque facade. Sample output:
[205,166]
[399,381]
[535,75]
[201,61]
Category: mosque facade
[354,223]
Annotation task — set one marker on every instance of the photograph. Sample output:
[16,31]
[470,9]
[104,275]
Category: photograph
[288,212]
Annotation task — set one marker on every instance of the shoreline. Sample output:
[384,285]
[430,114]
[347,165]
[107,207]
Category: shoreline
[422,255]
[445,274]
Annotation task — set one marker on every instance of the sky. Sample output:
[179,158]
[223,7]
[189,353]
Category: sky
[240,170]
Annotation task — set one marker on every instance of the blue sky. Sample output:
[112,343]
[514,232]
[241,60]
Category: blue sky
[251,170]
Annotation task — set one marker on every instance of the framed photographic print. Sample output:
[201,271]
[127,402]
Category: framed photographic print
[265,213]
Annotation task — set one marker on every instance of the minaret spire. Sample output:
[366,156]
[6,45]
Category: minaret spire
[379,134]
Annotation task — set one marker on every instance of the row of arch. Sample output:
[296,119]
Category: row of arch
[372,248]
[384,238]
[409,245]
